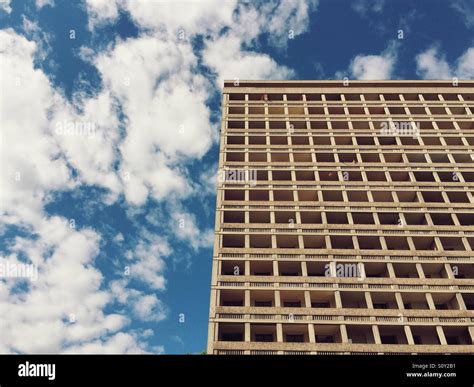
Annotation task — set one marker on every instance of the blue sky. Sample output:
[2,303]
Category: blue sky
[110,121]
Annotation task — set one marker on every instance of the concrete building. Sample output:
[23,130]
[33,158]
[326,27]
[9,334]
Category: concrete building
[345,218]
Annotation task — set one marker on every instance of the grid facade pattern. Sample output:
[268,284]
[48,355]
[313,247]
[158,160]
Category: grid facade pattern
[356,235]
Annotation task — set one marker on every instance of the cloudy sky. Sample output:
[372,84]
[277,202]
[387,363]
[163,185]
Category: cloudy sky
[109,143]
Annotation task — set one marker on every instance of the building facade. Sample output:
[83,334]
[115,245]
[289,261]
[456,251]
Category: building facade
[345,218]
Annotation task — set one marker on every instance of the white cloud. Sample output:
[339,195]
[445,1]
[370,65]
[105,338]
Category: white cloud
[185,228]
[63,308]
[145,307]
[119,238]
[49,135]
[364,7]
[101,12]
[31,160]
[29,26]
[228,55]
[42,3]
[5,6]
[172,125]
[146,262]
[229,61]
[63,311]
[208,17]
[149,308]
[431,64]
[286,20]
[161,68]
[224,54]
[466,10]
[190,17]
[465,65]
[374,66]
[208,181]
[88,140]
[120,343]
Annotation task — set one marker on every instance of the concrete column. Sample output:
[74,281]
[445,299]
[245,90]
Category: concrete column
[300,242]
[419,270]
[344,337]
[376,333]
[398,298]
[247,298]
[312,336]
[391,271]
[279,329]
[215,271]
[304,269]
[449,271]
[332,267]
[460,300]
[247,332]
[215,299]
[441,336]
[274,241]
[337,297]
[212,336]
[275,268]
[277,299]
[409,335]
[429,299]
[247,268]
[368,300]
[471,333]
[307,299]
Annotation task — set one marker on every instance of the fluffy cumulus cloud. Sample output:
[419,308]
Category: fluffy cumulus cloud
[63,307]
[135,138]
[173,17]
[162,74]
[431,64]
[229,61]
[62,310]
[145,307]
[185,228]
[5,6]
[374,66]
[149,308]
[161,67]
[121,343]
[286,19]
[146,263]
[32,161]
[227,55]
